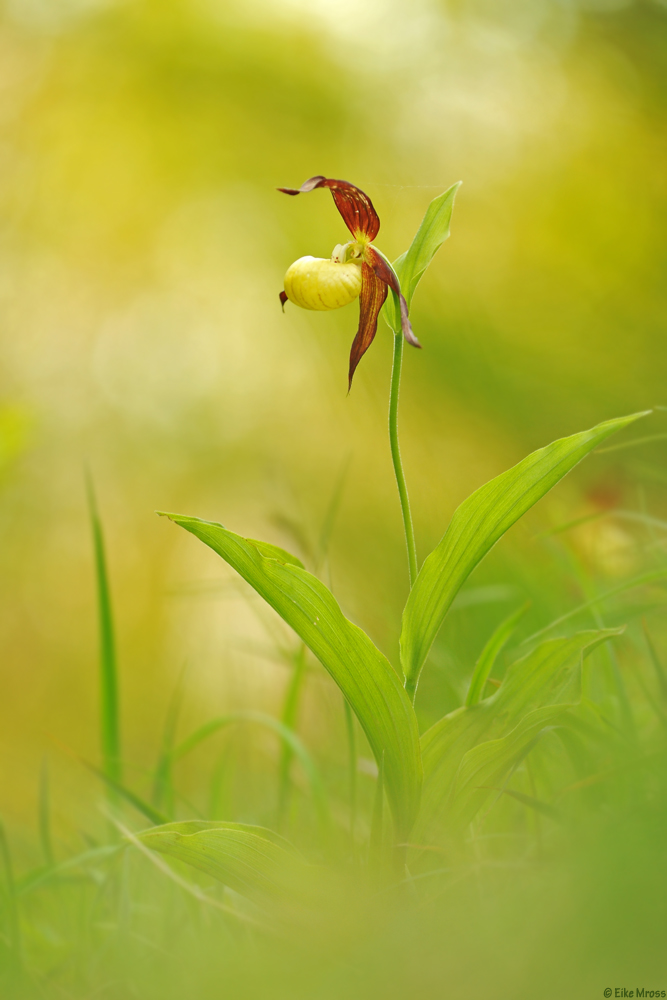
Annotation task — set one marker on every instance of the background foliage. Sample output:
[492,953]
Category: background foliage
[142,248]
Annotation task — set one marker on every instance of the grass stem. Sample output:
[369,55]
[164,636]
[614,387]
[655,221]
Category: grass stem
[289,714]
[163,784]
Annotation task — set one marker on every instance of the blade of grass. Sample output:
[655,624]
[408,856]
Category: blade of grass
[299,750]
[659,711]
[120,790]
[490,653]
[655,660]
[331,513]
[38,877]
[123,792]
[528,800]
[163,788]
[631,444]
[109,712]
[581,573]
[533,803]
[288,720]
[217,804]
[574,523]
[487,764]
[292,698]
[640,517]
[637,581]
[541,676]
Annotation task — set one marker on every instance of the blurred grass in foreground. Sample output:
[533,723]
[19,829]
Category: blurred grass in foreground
[142,247]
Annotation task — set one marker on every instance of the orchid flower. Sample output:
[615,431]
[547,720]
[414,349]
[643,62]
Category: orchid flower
[356,269]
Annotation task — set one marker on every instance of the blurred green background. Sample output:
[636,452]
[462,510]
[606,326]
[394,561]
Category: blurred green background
[142,249]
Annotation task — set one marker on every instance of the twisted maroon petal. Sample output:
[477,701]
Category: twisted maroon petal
[353,204]
[373,293]
[384,272]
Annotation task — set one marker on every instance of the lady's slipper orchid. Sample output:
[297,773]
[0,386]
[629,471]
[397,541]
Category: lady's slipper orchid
[355,269]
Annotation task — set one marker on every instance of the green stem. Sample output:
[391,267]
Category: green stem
[396,457]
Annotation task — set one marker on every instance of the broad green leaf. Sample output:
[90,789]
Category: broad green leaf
[540,677]
[488,765]
[542,674]
[363,674]
[476,527]
[487,658]
[190,826]
[251,860]
[443,748]
[411,265]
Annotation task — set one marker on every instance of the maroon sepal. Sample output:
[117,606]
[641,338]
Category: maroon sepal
[386,274]
[353,204]
[283,299]
[373,293]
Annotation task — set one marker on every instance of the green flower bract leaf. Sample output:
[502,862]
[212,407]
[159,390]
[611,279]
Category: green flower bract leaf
[412,264]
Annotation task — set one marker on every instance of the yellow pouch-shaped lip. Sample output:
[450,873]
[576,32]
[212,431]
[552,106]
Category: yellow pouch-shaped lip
[321,283]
